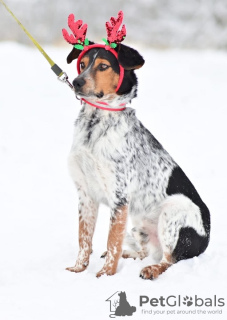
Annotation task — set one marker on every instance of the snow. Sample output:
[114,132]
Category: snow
[182,101]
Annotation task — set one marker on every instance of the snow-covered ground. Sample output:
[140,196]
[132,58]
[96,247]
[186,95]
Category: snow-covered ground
[182,101]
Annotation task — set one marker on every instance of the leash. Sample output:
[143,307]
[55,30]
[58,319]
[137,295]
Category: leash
[62,76]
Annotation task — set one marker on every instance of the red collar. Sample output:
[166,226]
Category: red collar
[100,104]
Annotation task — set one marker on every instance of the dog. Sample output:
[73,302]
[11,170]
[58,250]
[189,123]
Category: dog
[115,160]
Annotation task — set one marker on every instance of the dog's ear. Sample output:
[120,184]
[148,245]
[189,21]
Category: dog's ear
[129,58]
[74,54]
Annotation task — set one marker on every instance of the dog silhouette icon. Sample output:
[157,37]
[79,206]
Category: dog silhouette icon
[124,308]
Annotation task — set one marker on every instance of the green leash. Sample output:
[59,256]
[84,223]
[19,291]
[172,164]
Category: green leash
[62,76]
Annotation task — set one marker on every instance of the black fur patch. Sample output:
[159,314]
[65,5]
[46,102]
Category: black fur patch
[128,82]
[189,244]
[94,120]
[74,54]
[129,58]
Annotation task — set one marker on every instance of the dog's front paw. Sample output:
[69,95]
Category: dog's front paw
[79,267]
[105,270]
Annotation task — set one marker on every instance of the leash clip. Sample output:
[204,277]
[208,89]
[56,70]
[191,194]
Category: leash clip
[64,78]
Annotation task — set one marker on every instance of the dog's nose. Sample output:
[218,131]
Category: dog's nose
[78,83]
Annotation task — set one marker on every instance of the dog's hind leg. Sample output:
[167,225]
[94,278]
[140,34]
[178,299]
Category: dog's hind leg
[115,240]
[137,242]
[181,234]
[88,210]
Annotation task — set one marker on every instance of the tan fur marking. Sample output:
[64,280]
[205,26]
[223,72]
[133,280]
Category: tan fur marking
[85,60]
[152,272]
[86,230]
[85,234]
[115,240]
[100,81]
[135,67]
[107,80]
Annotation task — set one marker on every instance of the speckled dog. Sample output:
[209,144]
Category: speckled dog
[115,160]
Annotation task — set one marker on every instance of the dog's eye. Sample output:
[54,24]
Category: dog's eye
[103,66]
[82,66]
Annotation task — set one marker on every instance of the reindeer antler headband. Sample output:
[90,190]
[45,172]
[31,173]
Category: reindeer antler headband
[79,41]
[114,35]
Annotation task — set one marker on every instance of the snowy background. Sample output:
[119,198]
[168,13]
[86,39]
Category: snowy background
[182,100]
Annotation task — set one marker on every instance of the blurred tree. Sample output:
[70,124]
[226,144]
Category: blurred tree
[157,23]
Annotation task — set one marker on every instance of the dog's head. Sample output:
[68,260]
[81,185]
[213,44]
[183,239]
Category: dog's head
[103,74]
[106,72]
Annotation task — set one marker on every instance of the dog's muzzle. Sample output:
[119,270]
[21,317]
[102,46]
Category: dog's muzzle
[78,83]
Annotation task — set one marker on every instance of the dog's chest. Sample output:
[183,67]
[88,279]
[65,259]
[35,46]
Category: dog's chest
[92,161]
[91,173]
[115,159]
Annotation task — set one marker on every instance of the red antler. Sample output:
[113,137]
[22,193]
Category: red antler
[113,34]
[79,31]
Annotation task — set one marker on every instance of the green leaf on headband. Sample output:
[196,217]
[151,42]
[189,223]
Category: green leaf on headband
[106,42]
[79,46]
[113,45]
[86,42]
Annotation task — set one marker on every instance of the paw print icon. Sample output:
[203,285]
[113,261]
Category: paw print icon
[188,301]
